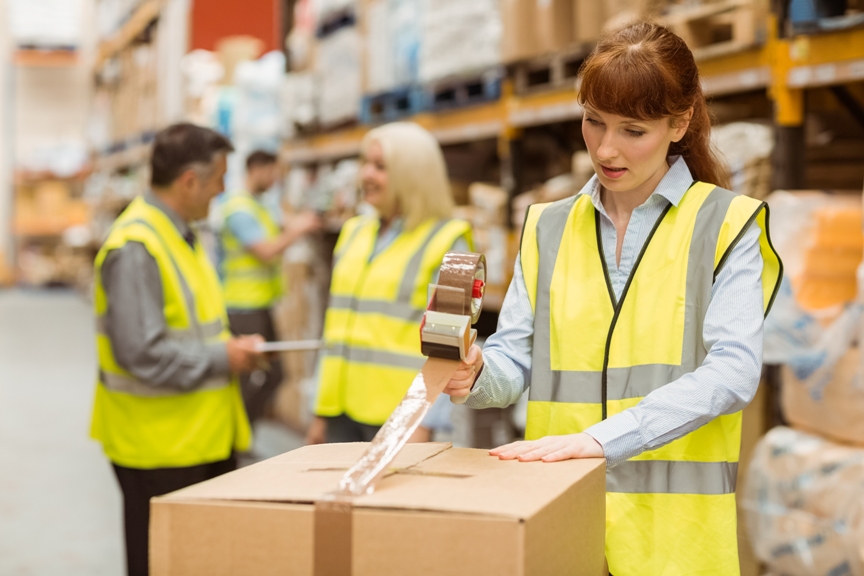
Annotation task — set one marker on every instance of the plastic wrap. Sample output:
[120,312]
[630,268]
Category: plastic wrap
[815,317]
[804,505]
[338,70]
[380,71]
[746,147]
[298,102]
[363,475]
[459,37]
[405,19]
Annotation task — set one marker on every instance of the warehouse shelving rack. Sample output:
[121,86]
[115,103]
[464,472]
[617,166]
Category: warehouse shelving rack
[785,67]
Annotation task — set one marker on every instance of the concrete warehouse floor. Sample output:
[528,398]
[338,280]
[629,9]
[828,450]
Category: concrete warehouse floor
[59,502]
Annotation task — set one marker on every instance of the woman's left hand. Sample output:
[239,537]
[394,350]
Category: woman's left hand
[551,449]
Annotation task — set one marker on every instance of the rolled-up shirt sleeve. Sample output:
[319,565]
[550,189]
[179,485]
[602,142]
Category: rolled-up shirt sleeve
[135,324]
[726,381]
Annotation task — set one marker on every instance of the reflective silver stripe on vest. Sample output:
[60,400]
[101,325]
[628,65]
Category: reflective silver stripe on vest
[547,385]
[187,291]
[370,356]
[406,289]
[135,387]
[400,308]
[208,331]
[338,255]
[638,381]
[672,477]
[622,383]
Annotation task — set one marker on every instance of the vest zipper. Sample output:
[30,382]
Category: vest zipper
[618,305]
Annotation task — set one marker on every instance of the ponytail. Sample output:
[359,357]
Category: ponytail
[696,149]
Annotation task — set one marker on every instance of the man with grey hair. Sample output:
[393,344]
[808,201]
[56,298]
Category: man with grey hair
[168,409]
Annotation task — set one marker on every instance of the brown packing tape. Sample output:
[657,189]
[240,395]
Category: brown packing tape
[332,545]
[459,270]
[427,386]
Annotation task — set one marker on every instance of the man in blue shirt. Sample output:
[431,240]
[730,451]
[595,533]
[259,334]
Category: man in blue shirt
[252,244]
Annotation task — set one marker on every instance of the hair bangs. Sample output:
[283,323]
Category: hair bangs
[625,82]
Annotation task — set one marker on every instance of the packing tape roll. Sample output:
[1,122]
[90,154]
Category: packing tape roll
[459,270]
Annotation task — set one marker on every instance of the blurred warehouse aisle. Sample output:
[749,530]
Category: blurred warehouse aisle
[59,504]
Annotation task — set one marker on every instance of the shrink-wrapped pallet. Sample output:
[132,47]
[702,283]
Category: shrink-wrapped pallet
[804,505]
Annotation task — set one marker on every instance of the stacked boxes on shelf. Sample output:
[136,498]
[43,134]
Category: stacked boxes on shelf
[50,217]
[135,104]
[423,54]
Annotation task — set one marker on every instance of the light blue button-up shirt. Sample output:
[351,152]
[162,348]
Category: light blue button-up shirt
[725,382]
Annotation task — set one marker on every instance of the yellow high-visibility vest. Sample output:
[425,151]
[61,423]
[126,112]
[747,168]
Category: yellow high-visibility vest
[146,426]
[669,511]
[248,283]
[372,326]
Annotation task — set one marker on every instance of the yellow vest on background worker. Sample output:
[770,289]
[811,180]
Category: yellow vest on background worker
[670,511]
[372,327]
[248,282]
[145,426]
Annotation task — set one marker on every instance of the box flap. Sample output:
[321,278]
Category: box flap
[432,477]
[302,475]
[470,481]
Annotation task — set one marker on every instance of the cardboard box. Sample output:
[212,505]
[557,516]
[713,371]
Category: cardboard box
[588,19]
[442,510]
[835,410]
[554,24]
[519,40]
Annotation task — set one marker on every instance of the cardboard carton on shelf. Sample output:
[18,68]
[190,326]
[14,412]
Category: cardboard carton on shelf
[588,19]
[835,410]
[442,510]
[519,40]
[555,24]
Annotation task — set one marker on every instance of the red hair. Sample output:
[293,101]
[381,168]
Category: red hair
[646,72]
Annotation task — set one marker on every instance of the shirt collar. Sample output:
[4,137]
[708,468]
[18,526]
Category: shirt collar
[153,199]
[396,224]
[672,187]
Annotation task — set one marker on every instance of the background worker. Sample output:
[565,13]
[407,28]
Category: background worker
[252,245]
[383,267]
[168,409]
[635,315]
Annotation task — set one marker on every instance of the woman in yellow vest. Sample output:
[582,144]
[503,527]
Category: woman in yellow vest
[383,265]
[635,315]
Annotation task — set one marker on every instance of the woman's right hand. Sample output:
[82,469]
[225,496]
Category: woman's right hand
[463,379]
[317,432]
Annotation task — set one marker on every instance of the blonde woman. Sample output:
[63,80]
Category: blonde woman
[383,265]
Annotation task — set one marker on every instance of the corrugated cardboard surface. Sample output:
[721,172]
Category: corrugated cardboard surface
[448,511]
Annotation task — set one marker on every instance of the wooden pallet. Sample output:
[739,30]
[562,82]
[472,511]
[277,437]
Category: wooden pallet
[716,28]
[392,105]
[464,91]
[549,71]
